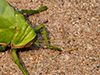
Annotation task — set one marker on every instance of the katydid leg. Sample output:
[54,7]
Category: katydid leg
[45,36]
[46,39]
[42,8]
[16,60]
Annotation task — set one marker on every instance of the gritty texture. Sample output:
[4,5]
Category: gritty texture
[72,25]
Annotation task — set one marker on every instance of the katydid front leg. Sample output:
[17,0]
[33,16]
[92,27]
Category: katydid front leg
[42,8]
[45,36]
[16,60]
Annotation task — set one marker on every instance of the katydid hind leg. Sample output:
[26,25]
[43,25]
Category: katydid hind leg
[42,8]
[16,60]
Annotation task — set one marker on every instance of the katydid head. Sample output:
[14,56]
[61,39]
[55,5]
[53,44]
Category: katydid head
[26,45]
[31,42]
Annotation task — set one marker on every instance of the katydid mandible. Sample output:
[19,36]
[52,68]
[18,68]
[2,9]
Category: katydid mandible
[16,33]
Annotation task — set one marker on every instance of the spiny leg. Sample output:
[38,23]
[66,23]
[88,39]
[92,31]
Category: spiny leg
[45,36]
[16,60]
[42,8]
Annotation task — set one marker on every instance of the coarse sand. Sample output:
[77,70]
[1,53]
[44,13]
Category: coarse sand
[72,25]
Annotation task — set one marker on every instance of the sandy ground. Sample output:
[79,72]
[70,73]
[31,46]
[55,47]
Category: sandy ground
[73,25]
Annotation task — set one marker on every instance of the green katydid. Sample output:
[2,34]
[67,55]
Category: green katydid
[16,33]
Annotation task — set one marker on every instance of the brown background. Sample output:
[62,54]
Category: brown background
[76,23]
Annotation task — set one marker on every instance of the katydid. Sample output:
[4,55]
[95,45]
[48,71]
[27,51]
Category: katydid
[16,33]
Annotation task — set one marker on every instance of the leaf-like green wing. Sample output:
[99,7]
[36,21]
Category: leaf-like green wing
[7,31]
[9,19]
[24,33]
[7,22]
[6,11]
